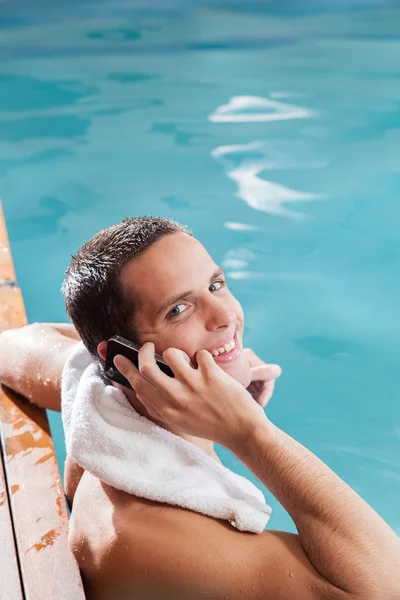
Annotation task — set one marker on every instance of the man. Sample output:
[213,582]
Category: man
[153,282]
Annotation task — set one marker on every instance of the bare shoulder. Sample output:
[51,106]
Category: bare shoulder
[159,551]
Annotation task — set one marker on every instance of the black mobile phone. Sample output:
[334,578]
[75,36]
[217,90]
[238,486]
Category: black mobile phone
[119,345]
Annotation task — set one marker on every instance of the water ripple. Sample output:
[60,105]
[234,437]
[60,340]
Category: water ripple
[260,194]
[255,109]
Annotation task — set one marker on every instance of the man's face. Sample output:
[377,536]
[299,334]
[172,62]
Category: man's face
[183,302]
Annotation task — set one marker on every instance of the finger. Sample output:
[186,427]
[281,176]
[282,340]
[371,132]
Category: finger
[266,393]
[265,372]
[255,388]
[179,362]
[149,369]
[127,369]
[131,373]
[150,396]
[206,363]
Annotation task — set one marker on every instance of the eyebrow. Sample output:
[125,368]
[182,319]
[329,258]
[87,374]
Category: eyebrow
[174,299]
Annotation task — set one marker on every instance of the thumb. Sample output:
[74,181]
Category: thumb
[266,372]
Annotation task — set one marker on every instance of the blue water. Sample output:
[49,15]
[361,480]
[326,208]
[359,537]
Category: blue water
[273,131]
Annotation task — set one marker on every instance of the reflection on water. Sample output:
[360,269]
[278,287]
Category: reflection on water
[240,226]
[249,109]
[256,157]
[259,193]
[238,258]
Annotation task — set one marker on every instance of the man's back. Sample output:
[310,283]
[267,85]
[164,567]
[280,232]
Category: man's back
[129,547]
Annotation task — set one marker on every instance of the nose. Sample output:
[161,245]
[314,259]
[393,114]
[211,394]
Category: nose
[219,314]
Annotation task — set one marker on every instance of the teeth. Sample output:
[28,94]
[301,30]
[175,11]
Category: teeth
[223,349]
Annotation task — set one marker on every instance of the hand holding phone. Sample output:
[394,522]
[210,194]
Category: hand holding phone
[120,345]
[202,401]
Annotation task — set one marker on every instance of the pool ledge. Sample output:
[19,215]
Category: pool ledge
[37,562]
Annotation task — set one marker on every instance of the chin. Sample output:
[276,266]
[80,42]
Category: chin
[241,373]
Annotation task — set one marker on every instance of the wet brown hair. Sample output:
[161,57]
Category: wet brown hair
[95,300]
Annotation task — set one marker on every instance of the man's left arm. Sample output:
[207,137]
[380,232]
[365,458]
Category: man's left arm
[32,360]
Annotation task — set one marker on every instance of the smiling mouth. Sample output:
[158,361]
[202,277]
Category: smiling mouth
[225,349]
[228,352]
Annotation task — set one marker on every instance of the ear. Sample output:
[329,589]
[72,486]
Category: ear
[102,350]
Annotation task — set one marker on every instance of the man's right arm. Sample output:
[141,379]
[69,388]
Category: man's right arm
[344,539]
[343,551]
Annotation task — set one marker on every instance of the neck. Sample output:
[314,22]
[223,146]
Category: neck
[206,445]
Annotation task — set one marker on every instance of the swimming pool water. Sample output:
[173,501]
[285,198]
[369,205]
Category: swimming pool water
[273,131]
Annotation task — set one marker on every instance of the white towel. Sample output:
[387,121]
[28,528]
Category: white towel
[108,438]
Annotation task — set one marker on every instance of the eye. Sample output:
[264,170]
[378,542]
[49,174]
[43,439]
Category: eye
[177,310]
[216,285]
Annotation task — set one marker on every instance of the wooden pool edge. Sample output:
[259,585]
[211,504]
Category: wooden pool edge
[37,510]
